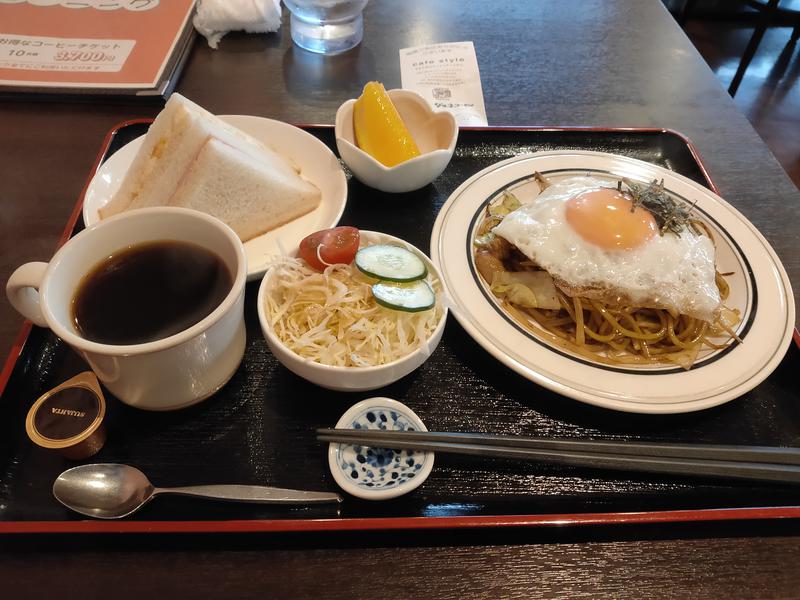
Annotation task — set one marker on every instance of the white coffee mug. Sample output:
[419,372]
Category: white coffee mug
[164,374]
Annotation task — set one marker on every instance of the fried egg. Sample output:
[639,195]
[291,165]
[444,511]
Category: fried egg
[583,232]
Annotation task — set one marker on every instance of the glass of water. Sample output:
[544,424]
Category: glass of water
[326,26]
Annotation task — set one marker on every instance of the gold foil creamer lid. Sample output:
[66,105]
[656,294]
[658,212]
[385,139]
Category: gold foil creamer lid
[69,418]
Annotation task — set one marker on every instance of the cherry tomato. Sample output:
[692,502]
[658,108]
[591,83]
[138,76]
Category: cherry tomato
[333,246]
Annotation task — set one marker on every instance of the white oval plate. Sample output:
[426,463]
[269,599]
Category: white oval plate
[317,163]
[760,289]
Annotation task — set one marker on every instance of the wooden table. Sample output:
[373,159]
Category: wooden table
[611,63]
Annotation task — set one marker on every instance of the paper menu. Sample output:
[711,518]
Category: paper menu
[91,45]
[447,76]
[42,53]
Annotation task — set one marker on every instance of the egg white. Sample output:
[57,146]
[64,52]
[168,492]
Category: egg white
[667,271]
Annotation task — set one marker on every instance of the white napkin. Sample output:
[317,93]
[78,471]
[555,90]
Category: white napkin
[215,18]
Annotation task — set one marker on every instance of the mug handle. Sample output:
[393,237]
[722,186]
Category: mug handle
[22,290]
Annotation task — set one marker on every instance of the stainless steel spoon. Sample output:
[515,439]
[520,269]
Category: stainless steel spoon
[113,491]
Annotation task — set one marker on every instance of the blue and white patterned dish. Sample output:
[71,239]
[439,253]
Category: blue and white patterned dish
[379,473]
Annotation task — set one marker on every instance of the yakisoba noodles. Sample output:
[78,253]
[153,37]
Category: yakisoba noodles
[620,276]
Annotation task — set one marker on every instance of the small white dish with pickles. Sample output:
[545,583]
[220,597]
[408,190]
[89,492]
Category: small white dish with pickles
[393,141]
[354,311]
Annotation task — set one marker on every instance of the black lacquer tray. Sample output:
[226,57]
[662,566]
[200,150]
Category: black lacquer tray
[259,429]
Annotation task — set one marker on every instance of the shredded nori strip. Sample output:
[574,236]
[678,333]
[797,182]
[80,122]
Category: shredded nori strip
[669,214]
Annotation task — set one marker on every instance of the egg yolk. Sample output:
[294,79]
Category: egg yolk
[604,217]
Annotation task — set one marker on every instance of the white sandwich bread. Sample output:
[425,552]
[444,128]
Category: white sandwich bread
[194,159]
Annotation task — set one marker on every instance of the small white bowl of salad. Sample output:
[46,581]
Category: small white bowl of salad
[354,310]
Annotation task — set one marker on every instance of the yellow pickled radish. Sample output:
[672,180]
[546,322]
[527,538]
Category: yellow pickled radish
[379,130]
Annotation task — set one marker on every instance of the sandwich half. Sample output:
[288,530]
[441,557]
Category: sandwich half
[250,193]
[179,151]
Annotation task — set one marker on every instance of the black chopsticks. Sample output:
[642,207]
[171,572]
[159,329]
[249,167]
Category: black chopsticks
[754,463]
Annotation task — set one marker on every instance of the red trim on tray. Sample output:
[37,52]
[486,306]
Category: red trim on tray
[14,353]
[404,523]
[22,336]
[373,524]
[696,156]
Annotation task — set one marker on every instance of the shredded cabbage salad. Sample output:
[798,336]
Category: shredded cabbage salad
[332,317]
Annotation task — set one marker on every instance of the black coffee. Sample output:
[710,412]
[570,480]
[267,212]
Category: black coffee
[148,292]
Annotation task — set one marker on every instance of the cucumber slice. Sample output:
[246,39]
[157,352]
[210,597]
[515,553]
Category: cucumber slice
[390,263]
[410,297]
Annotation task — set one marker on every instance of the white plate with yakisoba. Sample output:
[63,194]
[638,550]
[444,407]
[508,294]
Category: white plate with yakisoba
[613,281]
